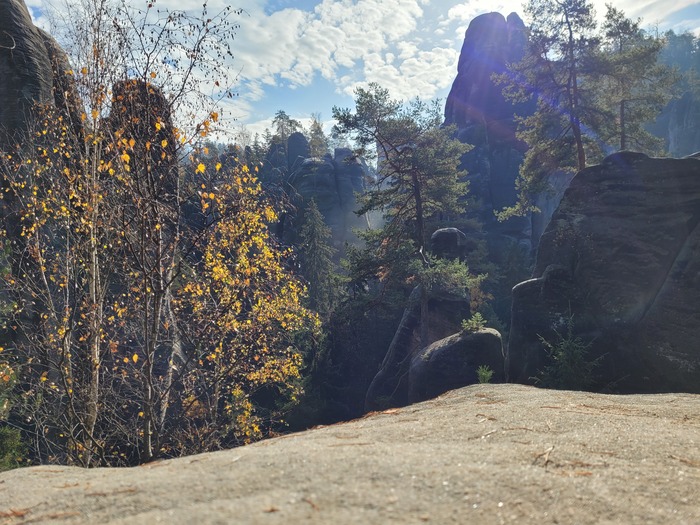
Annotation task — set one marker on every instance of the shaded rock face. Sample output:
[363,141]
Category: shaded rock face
[453,362]
[390,386]
[449,243]
[679,125]
[490,42]
[297,151]
[622,256]
[137,107]
[332,183]
[485,119]
[25,67]
[444,311]
[33,70]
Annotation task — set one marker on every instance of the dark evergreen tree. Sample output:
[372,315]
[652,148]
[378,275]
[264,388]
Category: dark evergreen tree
[284,126]
[556,70]
[635,86]
[318,142]
[316,258]
[418,179]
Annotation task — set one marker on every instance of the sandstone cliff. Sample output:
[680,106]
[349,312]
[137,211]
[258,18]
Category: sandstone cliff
[621,257]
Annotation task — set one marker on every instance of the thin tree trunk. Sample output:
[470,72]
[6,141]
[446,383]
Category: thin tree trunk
[623,123]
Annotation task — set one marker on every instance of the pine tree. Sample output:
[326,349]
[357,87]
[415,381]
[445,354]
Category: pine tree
[317,266]
[284,126]
[318,142]
[635,86]
[418,179]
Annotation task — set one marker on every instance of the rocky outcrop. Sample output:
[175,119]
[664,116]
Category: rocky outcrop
[453,363]
[475,103]
[449,243]
[485,119]
[683,135]
[332,182]
[25,68]
[33,70]
[441,311]
[486,454]
[621,257]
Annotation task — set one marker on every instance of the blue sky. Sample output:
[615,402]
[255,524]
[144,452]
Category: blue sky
[305,56]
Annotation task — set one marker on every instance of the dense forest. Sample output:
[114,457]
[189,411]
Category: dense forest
[165,292]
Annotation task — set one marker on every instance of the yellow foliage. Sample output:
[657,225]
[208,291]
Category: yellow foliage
[246,305]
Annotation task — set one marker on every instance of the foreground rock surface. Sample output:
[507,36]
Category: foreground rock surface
[484,454]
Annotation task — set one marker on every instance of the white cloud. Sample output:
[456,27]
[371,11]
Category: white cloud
[409,46]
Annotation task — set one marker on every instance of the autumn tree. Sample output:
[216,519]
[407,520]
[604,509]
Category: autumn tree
[113,239]
[243,310]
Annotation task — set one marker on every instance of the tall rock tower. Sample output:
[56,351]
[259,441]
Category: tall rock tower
[485,119]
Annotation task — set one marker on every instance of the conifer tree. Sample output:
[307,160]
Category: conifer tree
[318,142]
[635,86]
[418,180]
[316,257]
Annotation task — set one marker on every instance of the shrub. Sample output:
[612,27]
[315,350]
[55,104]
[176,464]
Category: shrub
[12,449]
[484,374]
[475,323]
[570,366]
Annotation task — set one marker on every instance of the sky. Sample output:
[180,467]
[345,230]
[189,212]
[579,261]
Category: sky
[306,56]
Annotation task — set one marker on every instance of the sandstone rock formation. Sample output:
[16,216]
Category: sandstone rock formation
[486,120]
[33,70]
[411,373]
[450,243]
[390,386]
[486,454]
[683,131]
[453,362]
[332,182]
[622,256]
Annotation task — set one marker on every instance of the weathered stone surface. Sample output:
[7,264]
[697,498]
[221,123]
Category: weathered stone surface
[449,243]
[684,126]
[622,256]
[679,125]
[453,362]
[297,151]
[486,120]
[34,70]
[444,314]
[26,76]
[490,42]
[332,182]
[485,454]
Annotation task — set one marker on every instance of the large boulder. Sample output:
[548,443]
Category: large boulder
[620,259]
[453,362]
[439,314]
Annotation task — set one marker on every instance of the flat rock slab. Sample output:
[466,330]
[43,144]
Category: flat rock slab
[482,454]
